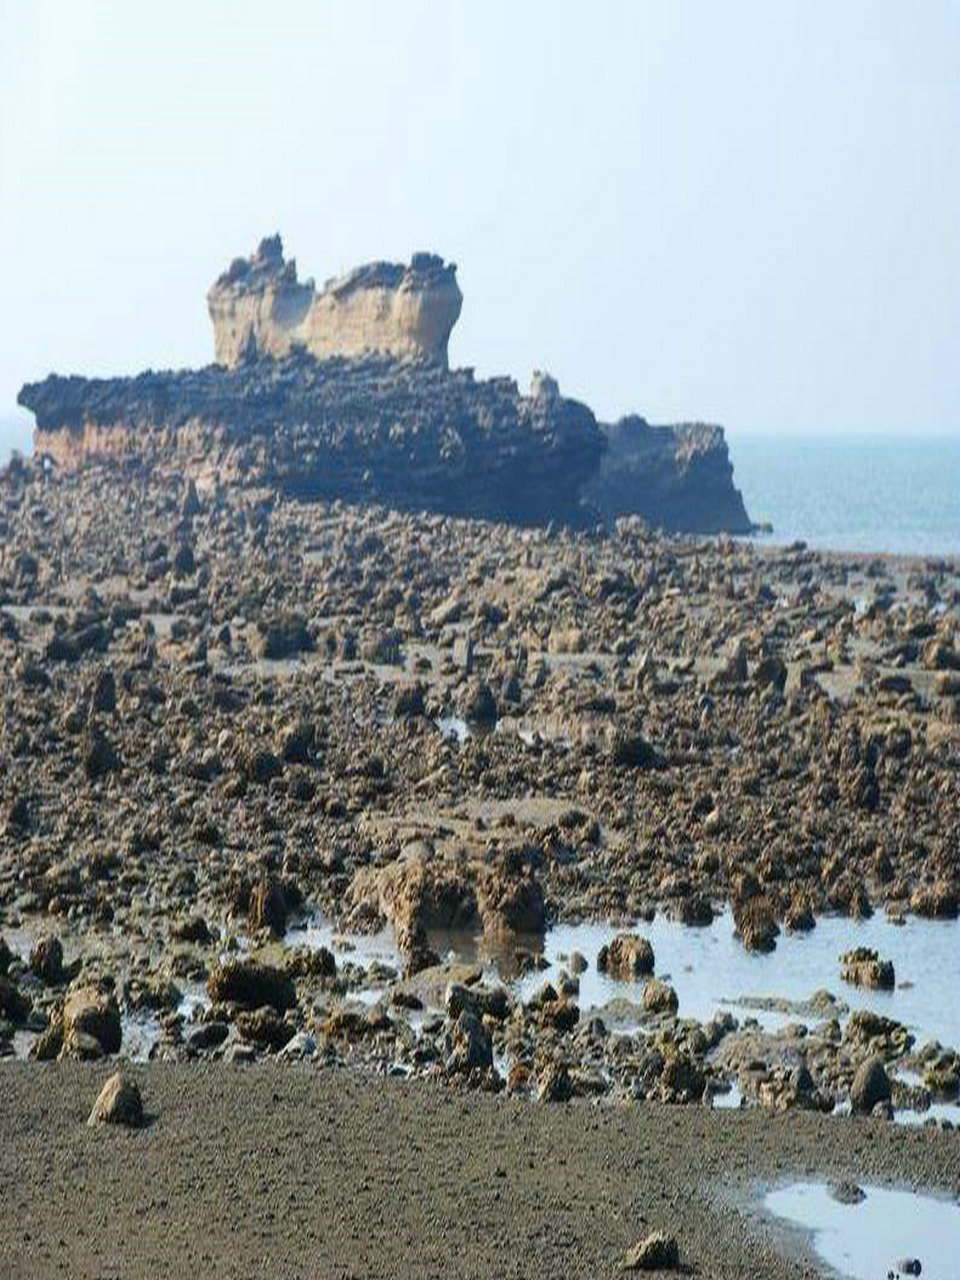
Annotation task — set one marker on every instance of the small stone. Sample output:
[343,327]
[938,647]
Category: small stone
[655,1252]
[46,960]
[871,1085]
[99,754]
[119,1102]
[627,956]
[847,1193]
[659,997]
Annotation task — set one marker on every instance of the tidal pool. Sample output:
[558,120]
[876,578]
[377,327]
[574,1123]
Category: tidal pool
[885,1233]
[711,971]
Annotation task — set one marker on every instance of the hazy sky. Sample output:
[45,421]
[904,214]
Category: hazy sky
[742,211]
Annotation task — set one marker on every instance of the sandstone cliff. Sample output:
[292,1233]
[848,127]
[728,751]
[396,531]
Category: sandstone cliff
[258,308]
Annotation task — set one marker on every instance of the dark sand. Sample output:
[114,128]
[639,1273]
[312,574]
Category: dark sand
[299,1171]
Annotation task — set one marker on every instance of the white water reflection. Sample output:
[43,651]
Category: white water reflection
[711,971]
[879,1235]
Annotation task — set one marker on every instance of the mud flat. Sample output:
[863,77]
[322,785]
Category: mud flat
[285,1172]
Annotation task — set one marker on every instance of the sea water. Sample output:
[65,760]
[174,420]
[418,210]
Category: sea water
[896,495]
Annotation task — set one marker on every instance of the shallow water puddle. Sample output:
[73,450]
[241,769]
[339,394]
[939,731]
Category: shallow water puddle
[884,1233]
[363,950]
[710,969]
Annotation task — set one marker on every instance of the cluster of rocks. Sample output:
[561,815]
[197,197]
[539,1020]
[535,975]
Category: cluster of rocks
[223,712]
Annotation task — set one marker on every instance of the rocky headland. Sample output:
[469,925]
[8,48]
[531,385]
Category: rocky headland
[333,831]
[346,393]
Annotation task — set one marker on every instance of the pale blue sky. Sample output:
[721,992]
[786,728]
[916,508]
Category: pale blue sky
[745,211]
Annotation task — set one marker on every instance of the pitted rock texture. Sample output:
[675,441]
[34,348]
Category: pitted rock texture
[413,436]
[677,477]
[258,308]
[345,394]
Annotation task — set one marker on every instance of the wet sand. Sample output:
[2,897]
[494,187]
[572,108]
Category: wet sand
[300,1171]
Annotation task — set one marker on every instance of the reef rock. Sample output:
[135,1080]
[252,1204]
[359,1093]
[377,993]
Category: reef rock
[676,477]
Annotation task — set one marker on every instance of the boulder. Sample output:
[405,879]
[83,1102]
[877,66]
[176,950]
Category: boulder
[268,906]
[659,997]
[265,1028]
[118,1102]
[252,984]
[284,635]
[682,1079]
[626,956]
[631,750]
[469,1045]
[510,898]
[46,960]
[89,1011]
[655,1252]
[871,1085]
[14,1005]
[864,968]
[755,920]
[99,754]
[554,1084]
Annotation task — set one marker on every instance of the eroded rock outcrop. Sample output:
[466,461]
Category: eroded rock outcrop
[413,436]
[260,308]
[344,393]
[676,477]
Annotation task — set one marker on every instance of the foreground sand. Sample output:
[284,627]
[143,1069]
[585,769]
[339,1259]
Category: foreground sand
[299,1171]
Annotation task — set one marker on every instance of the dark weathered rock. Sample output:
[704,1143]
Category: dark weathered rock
[371,428]
[871,1085]
[655,1252]
[251,984]
[676,477]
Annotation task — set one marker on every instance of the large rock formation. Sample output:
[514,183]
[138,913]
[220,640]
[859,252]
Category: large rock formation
[259,308]
[677,477]
[411,435]
[345,393]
